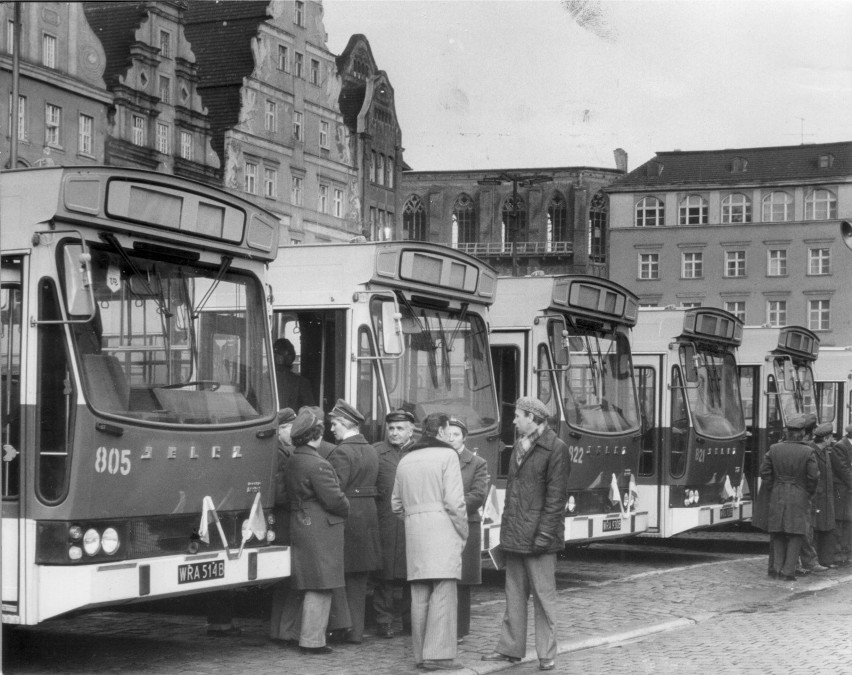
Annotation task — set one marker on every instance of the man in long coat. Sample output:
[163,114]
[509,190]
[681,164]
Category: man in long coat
[823,500]
[357,467]
[428,494]
[532,532]
[791,472]
[392,576]
[841,456]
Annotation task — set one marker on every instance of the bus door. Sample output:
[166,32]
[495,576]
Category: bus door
[11,323]
[751,388]
[833,407]
[650,391]
[508,353]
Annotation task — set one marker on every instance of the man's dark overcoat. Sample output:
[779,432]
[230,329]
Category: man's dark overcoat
[791,474]
[391,528]
[841,463]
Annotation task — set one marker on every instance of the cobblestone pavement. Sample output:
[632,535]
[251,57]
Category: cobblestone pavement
[689,611]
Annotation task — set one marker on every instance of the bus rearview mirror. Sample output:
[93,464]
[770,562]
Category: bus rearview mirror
[391,329]
[559,342]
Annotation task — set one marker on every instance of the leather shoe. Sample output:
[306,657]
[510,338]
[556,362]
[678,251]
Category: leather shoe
[384,630]
[316,650]
[816,567]
[441,664]
[546,664]
[773,574]
[497,656]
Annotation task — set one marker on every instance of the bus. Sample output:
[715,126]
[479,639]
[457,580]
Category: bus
[565,340]
[138,404]
[776,384]
[833,375]
[396,325]
[693,426]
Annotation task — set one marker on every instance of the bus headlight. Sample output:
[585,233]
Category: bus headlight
[75,533]
[109,541]
[270,518]
[270,536]
[75,552]
[91,541]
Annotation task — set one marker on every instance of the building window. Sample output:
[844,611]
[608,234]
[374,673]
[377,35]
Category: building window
[322,206]
[338,203]
[138,137]
[163,136]
[776,263]
[52,125]
[649,265]
[380,169]
[464,221]
[735,263]
[739,165]
[251,178]
[299,15]
[165,44]
[300,64]
[776,313]
[693,210]
[296,191]
[271,117]
[414,219]
[284,58]
[557,222]
[22,117]
[737,308]
[372,167]
[598,227]
[690,305]
[819,315]
[270,183]
[826,161]
[315,67]
[820,205]
[186,145]
[48,50]
[514,225]
[85,129]
[389,167]
[374,224]
[323,134]
[777,207]
[819,260]
[297,126]
[165,89]
[692,265]
[650,212]
[736,208]
[10,36]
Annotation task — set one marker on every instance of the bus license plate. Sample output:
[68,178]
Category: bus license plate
[612,525]
[726,512]
[201,571]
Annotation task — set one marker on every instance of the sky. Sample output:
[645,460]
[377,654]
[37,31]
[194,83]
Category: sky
[487,84]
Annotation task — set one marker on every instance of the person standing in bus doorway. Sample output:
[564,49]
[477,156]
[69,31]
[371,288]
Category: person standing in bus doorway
[294,390]
[391,578]
[841,456]
[428,495]
[475,479]
[823,500]
[357,465]
[791,474]
[318,510]
[532,532]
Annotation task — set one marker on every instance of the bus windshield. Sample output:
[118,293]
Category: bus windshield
[713,391]
[597,387]
[174,342]
[445,365]
[795,387]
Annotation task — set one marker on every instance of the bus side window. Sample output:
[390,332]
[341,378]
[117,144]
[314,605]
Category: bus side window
[507,374]
[369,401]
[774,423]
[679,432]
[10,385]
[646,384]
[544,381]
[54,400]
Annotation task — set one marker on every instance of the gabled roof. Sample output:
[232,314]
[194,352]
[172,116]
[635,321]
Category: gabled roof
[115,24]
[738,166]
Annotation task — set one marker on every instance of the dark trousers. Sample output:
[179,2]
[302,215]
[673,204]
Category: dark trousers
[824,541]
[389,597]
[786,549]
[843,540]
[463,592]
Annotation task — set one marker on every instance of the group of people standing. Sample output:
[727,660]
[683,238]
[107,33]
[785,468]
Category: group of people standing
[806,499]
[407,514]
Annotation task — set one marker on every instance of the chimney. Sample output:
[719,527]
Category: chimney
[620,159]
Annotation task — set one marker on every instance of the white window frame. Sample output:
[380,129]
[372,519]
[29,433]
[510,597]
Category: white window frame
[323,134]
[338,203]
[315,70]
[164,89]
[164,138]
[10,36]
[284,58]
[270,119]
[297,190]
[250,175]
[649,266]
[138,130]
[736,208]
[298,125]
[48,50]
[22,117]
[299,13]
[186,145]
[299,61]
[649,211]
[165,44]
[737,308]
[85,134]
[775,201]
[693,210]
[776,262]
[820,204]
[52,125]
[735,264]
[692,265]
[322,201]
[776,313]
[819,315]
[819,261]
[270,183]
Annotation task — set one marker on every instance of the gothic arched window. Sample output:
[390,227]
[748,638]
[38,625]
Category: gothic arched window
[598,226]
[414,219]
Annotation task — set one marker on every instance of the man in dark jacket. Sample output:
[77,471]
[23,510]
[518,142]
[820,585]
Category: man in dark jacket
[841,456]
[532,532]
[791,473]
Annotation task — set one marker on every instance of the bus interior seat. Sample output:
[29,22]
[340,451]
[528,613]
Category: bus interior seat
[106,383]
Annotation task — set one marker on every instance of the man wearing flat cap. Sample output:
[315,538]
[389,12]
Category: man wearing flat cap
[841,456]
[391,578]
[531,533]
[357,467]
[790,472]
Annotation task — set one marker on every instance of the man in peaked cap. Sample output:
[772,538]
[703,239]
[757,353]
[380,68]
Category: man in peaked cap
[530,543]
[841,458]
[392,578]
[791,474]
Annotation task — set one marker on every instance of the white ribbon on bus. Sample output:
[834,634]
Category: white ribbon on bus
[615,496]
[255,526]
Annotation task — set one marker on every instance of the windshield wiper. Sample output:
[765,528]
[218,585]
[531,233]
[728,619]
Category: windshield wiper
[223,268]
[110,239]
[462,317]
